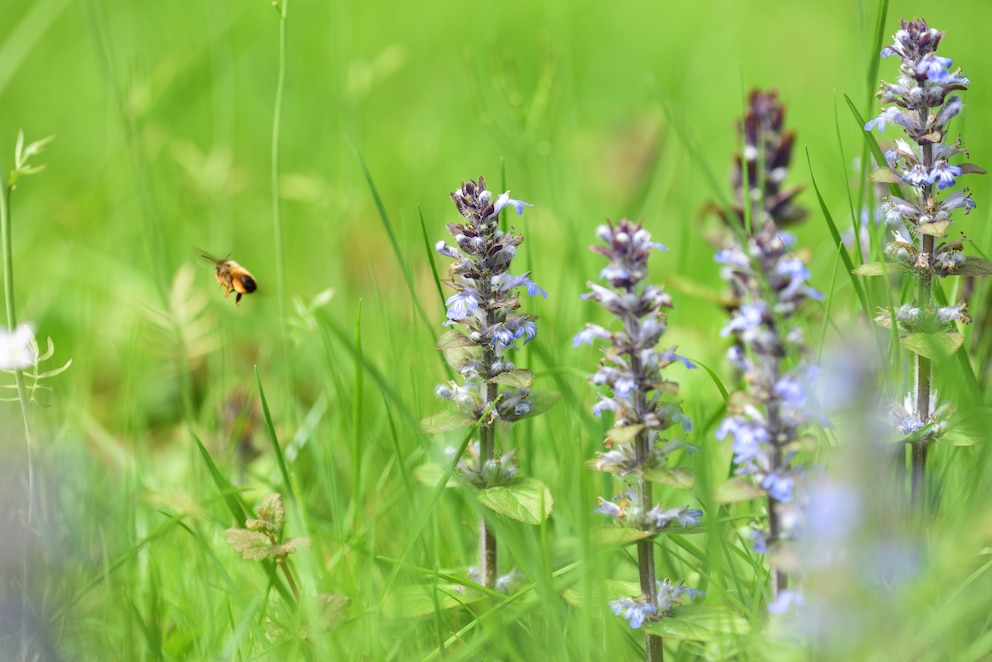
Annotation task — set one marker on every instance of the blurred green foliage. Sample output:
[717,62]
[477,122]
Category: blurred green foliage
[589,110]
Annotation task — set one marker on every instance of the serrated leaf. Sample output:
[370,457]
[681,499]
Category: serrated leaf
[453,338]
[431,473]
[736,490]
[262,526]
[885,176]
[412,601]
[527,500]
[679,478]
[973,266]
[700,623]
[272,512]
[624,434]
[935,229]
[289,546]
[252,545]
[446,422]
[519,378]
[934,346]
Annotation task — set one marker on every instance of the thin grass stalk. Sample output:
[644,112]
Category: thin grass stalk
[8,296]
[283,9]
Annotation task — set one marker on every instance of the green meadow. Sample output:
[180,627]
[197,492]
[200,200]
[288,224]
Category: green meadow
[317,143]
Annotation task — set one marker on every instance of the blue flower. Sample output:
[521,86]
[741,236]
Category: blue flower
[785,600]
[944,173]
[503,335]
[633,610]
[749,316]
[505,199]
[750,441]
[779,485]
[608,404]
[669,356]
[671,594]
[608,508]
[759,541]
[590,333]
[937,68]
[527,330]
[461,304]
[890,114]
[918,176]
[506,282]
[445,249]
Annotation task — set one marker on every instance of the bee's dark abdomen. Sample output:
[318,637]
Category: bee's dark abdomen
[248,283]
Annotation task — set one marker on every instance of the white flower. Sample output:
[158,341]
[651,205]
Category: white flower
[17,348]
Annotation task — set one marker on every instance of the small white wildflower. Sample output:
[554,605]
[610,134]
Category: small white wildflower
[17,348]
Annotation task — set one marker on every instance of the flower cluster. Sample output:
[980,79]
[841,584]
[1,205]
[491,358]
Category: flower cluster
[923,102]
[484,472]
[767,420]
[638,611]
[483,307]
[640,398]
[764,165]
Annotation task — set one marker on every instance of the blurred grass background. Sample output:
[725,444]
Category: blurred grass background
[164,119]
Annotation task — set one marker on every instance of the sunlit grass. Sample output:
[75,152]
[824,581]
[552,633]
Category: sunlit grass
[156,441]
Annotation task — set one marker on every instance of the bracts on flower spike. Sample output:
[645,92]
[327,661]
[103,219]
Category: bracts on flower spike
[645,413]
[484,326]
[922,103]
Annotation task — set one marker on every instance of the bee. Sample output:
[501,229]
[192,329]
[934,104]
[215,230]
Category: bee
[232,277]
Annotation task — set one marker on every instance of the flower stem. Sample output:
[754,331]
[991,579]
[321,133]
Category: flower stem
[8,296]
[779,580]
[924,367]
[653,650]
[488,560]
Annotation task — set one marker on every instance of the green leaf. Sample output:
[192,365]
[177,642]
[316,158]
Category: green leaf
[878,269]
[252,545]
[527,500]
[971,169]
[412,601]
[453,338]
[737,489]
[431,474]
[934,346]
[680,479]
[232,498]
[885,176]
[623,434]
[616,536]
[700,623]
[519,378]
[935,229]
[973,266]
[271,428]
[446,421]
[611,589]
[541,401]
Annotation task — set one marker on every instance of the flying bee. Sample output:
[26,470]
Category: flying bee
[232,277]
